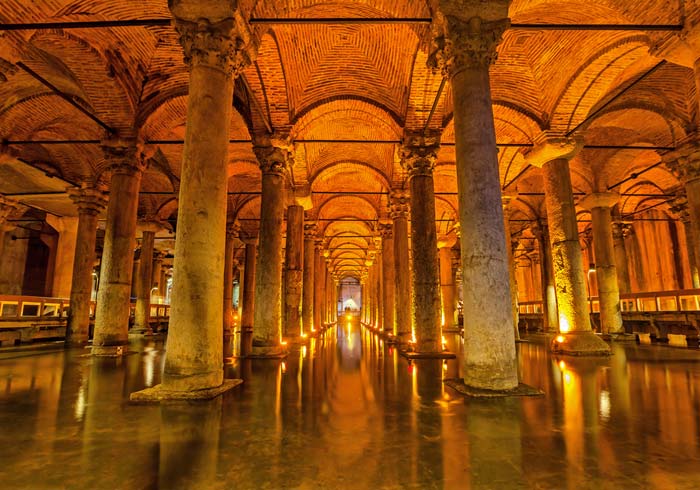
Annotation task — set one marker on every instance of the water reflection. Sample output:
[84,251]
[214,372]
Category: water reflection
[346,411]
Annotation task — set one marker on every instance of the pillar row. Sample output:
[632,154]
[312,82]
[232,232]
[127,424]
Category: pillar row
[307,303]
[399,202]
[388,277]
[294,264]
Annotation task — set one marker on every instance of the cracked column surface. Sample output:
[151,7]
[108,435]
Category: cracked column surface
[90,202]
[552,153]
[466,35]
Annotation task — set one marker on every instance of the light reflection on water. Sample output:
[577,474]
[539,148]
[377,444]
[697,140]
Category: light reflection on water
[347,411]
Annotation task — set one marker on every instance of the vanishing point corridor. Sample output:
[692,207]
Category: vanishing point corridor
[346,411]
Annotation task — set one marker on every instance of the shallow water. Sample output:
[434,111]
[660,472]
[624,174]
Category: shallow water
[346,411]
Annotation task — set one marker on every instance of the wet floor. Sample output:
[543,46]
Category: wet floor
[347,412]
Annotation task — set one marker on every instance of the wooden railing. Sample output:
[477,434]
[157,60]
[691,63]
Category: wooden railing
[655,301]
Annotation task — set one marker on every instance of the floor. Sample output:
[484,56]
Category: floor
[346,412]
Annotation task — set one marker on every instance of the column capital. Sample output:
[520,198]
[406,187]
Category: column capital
[125,156]
[273,158]
[310,231]
[399,204]
[446,241]
[599,200]
[621,229]
[466,34]
[539,229]
[386,230]
[151,225]
[679,207]
[233,230]
[418,152]
[88,200]
[684,162]
[551,146]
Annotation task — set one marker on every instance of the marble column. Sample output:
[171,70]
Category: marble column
[216,44]
[267,328]
[512,280]
[466,40]
[388,278]
[7,207]
[307,302]
[318,284]
[157,275]
[552,153]
[418,157]
[142,312]
[67,228]
[600,205]
[111,333]
[620,231]
[248,314]
[90,203]
[232,232]
[549,290]
[399,203]
[447,285]
[679,207]
[294,272]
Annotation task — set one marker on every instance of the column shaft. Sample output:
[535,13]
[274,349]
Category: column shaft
[621,262]
[229,258]
[447,288]
[608,291]
[248,314]
[388,279]
[143,295]
[402,298]
[318,285]
[294,259]
[307,306]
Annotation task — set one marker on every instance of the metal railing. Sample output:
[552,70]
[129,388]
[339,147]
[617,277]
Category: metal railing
[654,301]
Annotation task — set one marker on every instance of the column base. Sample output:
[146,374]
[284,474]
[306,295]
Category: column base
[426,355]
[451,329]
[522,389]
[620,337]
[109,350]
[158,394]
[580,344]
[139,333]
[268,352]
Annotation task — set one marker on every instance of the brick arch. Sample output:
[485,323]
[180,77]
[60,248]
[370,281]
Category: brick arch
[335,169]
[358,227]
[360,207]
[676,124]
[363,112]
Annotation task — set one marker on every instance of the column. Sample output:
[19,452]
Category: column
[399,203]
[114,295]
[157,276]
[418,157]
[267,328]
[67,228]
[215,41]
[307,302]
[142,312]
[388,277]
[506,202]
[318,284]
[447,286]
[229,260]
[7,207]
[600,205]
[248,313]
[90,203]
[552,155]
[680,208]
[294,264]
[549,290]
[466,49]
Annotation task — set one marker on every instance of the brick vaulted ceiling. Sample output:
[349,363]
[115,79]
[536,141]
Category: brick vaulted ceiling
[345,82]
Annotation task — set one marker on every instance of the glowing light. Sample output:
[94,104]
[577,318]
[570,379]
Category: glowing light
[284,342]
[304,335]
[348,316]
[284,367]
[303,351]
[444,343]
[604,405]
[413,337]
[564,326]
[567,378]
[562,365]
[444,365]
[560,339]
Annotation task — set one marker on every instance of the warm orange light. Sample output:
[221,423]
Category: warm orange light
[304,335]
[562,365]
[284,367]
[560,338]
[284,342]
[444,366]
[564,326]
[444,343]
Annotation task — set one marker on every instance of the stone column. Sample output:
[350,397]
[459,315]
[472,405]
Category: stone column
[229,260]
[680,208]
[549,291]
[399,203]
[418,156]
[90,203]
[216,44]
[142,312]
[267,328]
[114,295]
[157,276]
[447,285]
[7,207]
[248,315]
[600,206]
[294,265]
[512,280]
[552,155]
[388,277]
[620,231]
[318,284]
[307,303]
[67,228]
[467,33]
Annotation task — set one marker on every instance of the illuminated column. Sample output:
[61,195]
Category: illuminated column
[552,155]
[216,46]
[267,328]
[318,285]
[447,285]
[388,277]
[232,233]
[294,272]
[506,200]
[418,156]
[248,313]
[157,275]
[679,208]
[111,333]
[620,231]
[307,306]
[600,206]
[7,206]
[143,294]
[90,203]
[399,203]
[321,278]
[549,290]
[466,35]
[67,228]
